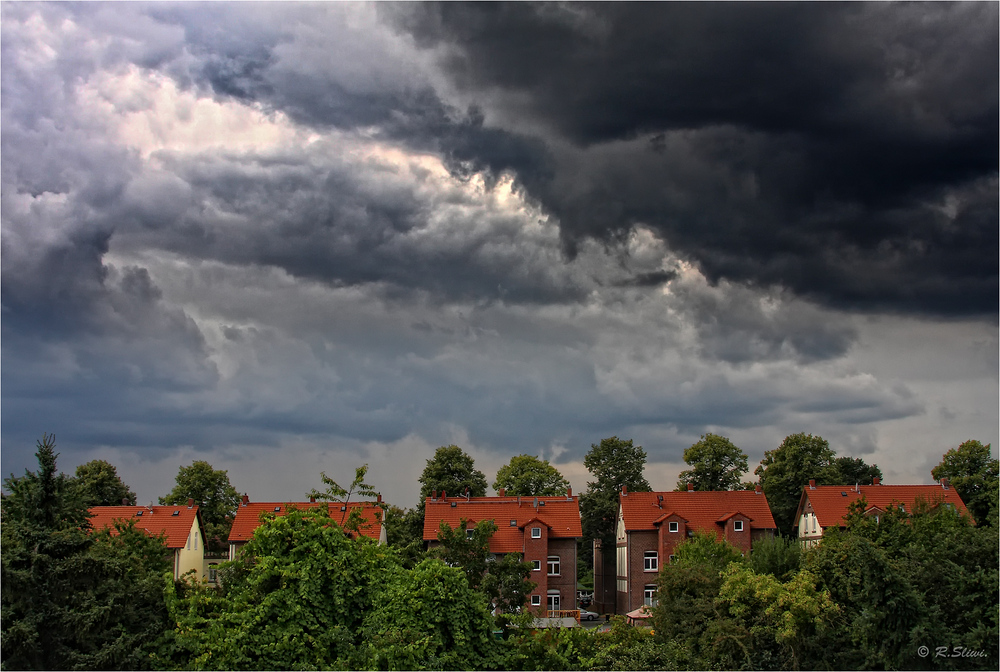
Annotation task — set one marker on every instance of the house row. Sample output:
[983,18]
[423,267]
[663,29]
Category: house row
[545,531]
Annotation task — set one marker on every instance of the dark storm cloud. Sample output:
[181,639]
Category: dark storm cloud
[865,136]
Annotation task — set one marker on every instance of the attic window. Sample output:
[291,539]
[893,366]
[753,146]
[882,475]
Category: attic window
[513,523]
[469,534]
[542,503]
[902,507]
[343,508]
[138,513]
[176,513]
[454,504]
[277,508]
[536,533]
[738,525]
[843,494]
[672,527]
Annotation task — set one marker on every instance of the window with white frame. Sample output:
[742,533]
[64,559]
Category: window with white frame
[649,595]
[670,557]
[213,574]
[469,534]
[553,565]
[673,527]
[738,525]
[553,600]
[536,533]
[650,561]
[536,565]
[536,600]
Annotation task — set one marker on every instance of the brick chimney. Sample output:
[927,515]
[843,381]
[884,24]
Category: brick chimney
[690,487]
[876,481]
[624,491]
[944,483]
[190,502]
[378,499]
[245,499]
[502,492]
[569,491]
[124,501]
[444,494]
[812,483]
[312,499]
[758,489]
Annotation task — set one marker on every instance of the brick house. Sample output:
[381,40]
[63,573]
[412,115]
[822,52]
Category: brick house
[652,524]
[544,530]
[248,518]
[824,506]
[180,524]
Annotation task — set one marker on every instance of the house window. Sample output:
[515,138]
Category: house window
[673,527]
[738,525]
[513,523]
[649,595]
[196,542]
[469,534]
[536,600]
[213,574]
[536,533]
[650,561]
[670,557]
[553,600]
[536,565]
[553,565]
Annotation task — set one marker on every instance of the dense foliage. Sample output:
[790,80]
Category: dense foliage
[974,475]
[71,599]
[716,464]
[98,484]
[528,476]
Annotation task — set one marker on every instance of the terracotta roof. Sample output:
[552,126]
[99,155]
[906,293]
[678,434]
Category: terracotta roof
[703,510]
[830,502]
[248,516]
[154,520]
[560,514]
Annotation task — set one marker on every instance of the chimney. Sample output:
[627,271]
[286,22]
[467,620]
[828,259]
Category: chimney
[876,481]
[690,487]
[944,483]
[812,483]
[757,489]
[444,494]
[312,499]
[569,491]
[245,499]
[502,492]
[190,502]
[434,495]
[124,501]
[378,499]
[624,491]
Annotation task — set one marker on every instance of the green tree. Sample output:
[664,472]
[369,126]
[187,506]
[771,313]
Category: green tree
[404,531]
[73,600]
[305,595]
[99,485]
[854,470]
[528,476]
[451,470]
[716,464]
[213,493]
[504,581]
[974,476]
[778,556]
[614,463]
[784,471]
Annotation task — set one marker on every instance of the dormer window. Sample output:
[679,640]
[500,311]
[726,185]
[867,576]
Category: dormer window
[469,534]
[536,533]
[673,526]
[513,523]
[738,525]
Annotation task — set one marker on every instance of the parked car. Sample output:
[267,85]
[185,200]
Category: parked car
[588,615]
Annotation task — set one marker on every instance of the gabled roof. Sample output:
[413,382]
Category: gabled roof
[560,514]
[703,510]
[173,521]
[830,502]
[248,516]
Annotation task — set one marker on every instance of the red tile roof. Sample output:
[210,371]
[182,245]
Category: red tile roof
[154,520]
[560,514]
[830,502]
[248,516]
[703,510]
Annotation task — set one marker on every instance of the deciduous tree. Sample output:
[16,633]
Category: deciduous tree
[716,464]
[528,476]
[213,493]
[99,485]
[974,476]
[451,470]
[784,470]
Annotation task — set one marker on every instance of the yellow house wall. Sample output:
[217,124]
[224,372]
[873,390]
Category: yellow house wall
[192,554]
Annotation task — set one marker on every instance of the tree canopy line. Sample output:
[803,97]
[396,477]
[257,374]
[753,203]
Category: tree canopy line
[305,593]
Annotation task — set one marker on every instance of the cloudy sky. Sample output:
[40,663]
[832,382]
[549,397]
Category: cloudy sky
[287,238]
